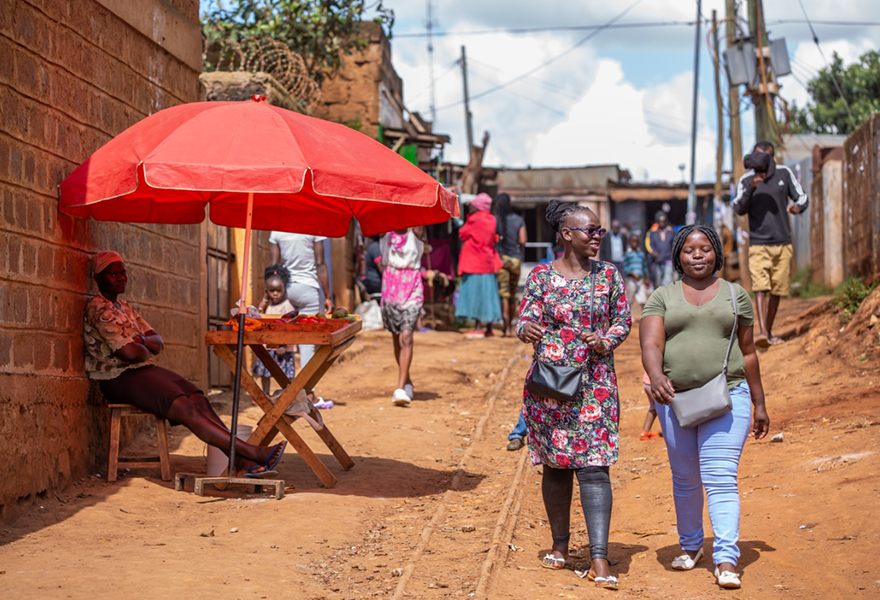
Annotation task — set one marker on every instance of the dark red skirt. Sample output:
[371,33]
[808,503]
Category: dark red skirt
[151,388]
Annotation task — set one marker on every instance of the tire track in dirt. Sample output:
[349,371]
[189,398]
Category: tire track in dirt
[442,510]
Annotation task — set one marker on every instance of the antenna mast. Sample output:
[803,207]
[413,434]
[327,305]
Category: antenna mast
[430,29]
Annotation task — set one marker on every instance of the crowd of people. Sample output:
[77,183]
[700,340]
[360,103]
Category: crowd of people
[696,331]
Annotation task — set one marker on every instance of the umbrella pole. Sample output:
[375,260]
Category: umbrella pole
[242,312]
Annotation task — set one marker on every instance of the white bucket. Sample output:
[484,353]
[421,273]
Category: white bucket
[217,461]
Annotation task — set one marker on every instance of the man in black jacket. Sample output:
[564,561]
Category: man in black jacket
[767,193]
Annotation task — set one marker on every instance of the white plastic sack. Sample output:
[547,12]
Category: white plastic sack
[371,315]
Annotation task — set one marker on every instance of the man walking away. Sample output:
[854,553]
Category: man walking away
[767,193]
[658,242]
[614,246]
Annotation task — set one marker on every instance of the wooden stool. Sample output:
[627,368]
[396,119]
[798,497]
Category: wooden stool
[117,411]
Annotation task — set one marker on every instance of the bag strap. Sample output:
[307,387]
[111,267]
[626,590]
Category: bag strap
[735,322]
[592,290]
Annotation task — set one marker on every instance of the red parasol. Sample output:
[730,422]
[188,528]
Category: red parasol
[259,166]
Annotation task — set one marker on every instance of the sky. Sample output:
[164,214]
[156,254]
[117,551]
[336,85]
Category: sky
[624,96]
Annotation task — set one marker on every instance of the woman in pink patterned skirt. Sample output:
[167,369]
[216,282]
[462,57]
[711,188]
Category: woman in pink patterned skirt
[402,297]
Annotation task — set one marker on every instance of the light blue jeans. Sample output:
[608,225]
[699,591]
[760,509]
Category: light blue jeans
[707,456]
[663,273]
[520,431]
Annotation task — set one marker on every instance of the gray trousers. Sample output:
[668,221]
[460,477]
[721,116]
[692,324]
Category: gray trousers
[308,300]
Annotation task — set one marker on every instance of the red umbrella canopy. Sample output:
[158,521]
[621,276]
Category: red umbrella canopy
[307,175]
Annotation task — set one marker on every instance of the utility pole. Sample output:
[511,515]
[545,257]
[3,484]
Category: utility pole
[692,191]
[430,27]
[719,157]
[467,104]
[766,127]
[736,150]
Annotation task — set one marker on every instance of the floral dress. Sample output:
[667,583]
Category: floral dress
[582,432]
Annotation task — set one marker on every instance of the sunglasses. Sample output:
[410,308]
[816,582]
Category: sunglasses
[591,230]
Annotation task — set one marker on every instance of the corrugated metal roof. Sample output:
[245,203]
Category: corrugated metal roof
[554,179]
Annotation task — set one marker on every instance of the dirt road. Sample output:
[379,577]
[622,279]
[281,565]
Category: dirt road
[437,508]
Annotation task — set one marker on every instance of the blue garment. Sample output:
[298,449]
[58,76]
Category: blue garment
[520,431]
[478,298]
[663,273]
[634,263]
[285,361]
[707,456]
[661,243]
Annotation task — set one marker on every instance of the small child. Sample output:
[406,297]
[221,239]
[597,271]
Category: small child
[635,268]
[647,434]
[277,278]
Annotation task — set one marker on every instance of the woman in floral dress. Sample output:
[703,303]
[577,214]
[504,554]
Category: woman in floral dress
[577,437]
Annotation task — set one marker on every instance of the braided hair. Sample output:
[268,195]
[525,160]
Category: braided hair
[279,271]
[681,237]
[558,211]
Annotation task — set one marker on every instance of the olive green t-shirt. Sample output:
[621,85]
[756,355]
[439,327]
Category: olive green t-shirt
[697,336]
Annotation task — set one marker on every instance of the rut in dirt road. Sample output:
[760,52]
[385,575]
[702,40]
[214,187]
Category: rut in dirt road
[445,556]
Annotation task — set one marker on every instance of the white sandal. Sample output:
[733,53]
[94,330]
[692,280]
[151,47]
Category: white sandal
[727,579]
[685,562]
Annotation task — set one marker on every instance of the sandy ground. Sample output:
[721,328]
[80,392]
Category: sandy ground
[437,508]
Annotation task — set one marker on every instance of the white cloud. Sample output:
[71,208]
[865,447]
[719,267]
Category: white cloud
[585,108]
[609,125]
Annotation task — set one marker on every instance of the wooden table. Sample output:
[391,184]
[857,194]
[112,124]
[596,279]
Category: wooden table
[332,339]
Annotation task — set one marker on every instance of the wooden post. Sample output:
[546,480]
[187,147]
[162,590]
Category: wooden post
[719,157]
[736,155]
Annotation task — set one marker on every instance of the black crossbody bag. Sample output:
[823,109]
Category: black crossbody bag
[558,381]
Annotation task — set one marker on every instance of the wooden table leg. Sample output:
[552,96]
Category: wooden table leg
[322,365]
[307,373]
[227,355]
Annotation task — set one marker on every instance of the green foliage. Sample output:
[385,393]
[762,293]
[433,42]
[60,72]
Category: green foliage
[802,285]
[356,124]
[321,31]
[849,296]
[826,112]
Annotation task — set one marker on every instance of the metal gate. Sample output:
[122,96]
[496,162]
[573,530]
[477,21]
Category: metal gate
[219,262]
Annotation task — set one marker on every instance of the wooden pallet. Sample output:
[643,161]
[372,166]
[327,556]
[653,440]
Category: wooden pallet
[200,481]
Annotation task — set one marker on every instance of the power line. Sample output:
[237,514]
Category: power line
[453,65]
[546,63]
[637,25]
[827,66]
[520,95]
[515,30]
[547,84]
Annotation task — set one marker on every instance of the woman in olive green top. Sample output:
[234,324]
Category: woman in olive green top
[684,333]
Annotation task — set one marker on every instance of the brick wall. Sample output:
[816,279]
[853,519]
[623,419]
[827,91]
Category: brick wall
[73,75]
[352,96]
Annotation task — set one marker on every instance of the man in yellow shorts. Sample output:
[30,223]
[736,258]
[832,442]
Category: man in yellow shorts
[768,193]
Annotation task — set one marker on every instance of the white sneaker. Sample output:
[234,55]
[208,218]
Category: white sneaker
[685,562]
[400,398]
[408,388]
[727,579]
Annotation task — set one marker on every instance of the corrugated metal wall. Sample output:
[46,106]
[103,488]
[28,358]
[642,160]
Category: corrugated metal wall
[861,198]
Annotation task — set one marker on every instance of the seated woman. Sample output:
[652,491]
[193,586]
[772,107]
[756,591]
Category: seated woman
[120,348]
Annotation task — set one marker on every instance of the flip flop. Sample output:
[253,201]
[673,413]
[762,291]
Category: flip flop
[251,474]
[552,562]
[274,463]
[607,583]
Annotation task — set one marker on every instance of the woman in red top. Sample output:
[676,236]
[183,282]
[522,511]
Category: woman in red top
[477,263]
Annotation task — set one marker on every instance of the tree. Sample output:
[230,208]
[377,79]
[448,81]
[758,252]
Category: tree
[826,111]
[320,31]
